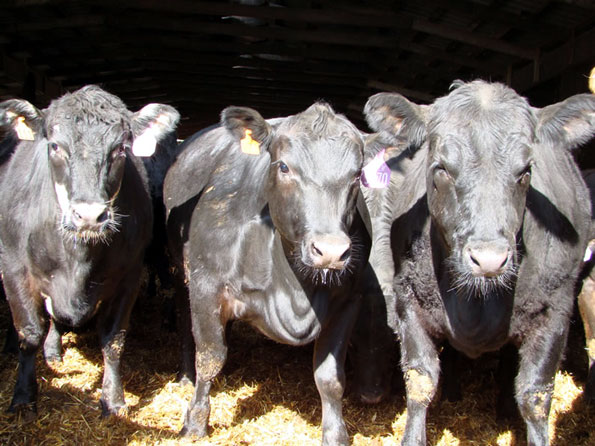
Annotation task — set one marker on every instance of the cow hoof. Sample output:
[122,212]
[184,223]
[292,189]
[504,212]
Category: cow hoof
[371,398]
[26,412]
[53,359]
[116,411]
[184,380]
[188,432]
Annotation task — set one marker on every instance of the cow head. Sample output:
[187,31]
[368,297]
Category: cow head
[315,162]
[480,142]
[88,135]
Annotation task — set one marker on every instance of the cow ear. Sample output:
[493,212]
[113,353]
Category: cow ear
[246,124]
[396,118]
[150,125]
[21,118]
[570,122]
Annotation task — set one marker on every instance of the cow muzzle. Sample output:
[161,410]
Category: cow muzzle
[487,259]
[328,251]
[89,221]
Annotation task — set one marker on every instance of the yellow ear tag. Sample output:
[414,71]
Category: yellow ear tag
[249,145]
[24,132]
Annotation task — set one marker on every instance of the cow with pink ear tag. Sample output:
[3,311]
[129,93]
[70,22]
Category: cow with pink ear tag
[75,219]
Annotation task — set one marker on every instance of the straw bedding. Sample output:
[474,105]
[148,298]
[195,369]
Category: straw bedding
[265,396]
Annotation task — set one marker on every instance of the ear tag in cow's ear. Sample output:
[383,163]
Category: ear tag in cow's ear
[145,144]
[249,145]
[376,174]
[24,132]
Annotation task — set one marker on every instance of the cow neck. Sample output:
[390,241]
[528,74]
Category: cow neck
[475,324]
[294,308]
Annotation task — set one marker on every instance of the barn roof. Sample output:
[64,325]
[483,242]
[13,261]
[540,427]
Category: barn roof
[279,56]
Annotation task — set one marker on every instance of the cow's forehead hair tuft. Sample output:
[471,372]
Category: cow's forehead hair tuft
[88,106]
[493,107]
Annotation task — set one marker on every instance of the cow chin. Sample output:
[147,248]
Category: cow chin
[464,282]
[101,234]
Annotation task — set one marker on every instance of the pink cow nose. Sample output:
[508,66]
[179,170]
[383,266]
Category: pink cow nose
[330,251]
[88,215]
[487,260]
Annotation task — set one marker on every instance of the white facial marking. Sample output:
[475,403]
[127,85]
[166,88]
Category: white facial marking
[63,199]
[48,304]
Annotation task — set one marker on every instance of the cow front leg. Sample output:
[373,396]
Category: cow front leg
[586,305]
[208,331]
[534,385]
[112,326]
[421,370]
[329,373]
[29,325]
[52,346]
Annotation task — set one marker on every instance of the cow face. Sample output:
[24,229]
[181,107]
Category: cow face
[89,135]
[480,142]
[316,158]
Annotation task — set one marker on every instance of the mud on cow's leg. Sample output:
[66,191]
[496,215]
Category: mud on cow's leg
[586,304]
[208,331]
[112,325]
[421,370]
[534,385]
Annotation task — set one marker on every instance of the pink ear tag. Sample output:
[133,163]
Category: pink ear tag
[144,145]
[376,174]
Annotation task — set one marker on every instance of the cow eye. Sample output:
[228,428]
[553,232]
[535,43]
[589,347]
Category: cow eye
[441,176]
[283,167]
[53,146]
[525,176]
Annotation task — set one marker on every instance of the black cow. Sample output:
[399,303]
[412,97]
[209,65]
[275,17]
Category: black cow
[75,218]
[271,237]
[488,229]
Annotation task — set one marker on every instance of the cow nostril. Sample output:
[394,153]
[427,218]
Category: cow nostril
[345,255]
[103,216]
[316,251]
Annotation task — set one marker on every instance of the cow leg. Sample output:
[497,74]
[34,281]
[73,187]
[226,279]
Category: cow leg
[11,344]
[187,373]
[208,331]
[329,373]
[586,305]
[451,385]
[373,343]
[30,326]
[112,326]
[534,385]
[506,407]
[421,371]
[52,347]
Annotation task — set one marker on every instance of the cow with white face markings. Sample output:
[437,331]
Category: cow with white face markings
[75,218]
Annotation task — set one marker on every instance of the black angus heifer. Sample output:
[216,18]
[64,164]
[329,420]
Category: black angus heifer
[496,215]
[75,218]
[271,237]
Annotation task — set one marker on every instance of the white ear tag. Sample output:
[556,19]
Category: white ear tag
[24,132]
[145,144]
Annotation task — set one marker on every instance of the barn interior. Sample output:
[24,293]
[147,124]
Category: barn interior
[279,56]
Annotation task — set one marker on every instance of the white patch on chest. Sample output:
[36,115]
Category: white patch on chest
[48,304]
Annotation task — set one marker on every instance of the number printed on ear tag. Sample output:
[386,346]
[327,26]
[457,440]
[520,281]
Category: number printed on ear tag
[376,174]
